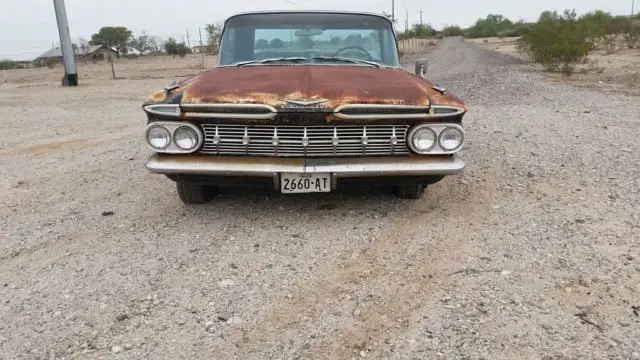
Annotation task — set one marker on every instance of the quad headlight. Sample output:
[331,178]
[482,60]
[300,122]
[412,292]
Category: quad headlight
[451,138]
[158,137]
[423,139]
[173,137]
[436,138]
[185,137]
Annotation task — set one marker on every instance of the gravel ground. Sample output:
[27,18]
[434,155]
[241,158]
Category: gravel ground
[531,253]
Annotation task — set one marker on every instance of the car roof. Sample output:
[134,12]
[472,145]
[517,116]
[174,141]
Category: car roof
[346,12]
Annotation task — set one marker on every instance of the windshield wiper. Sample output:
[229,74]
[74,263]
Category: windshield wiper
[301,59]
[344,59]
[270,60]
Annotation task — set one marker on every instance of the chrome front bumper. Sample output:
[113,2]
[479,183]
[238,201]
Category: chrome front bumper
[272,166]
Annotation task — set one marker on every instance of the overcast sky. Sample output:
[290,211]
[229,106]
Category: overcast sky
[28,27]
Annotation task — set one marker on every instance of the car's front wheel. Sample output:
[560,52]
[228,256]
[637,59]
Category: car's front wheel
[409,191]
[192,193]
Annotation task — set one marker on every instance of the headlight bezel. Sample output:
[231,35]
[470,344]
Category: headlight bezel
[172,127]
[437,129]
[414,132]
[185,128]
[162,128]
[459,130]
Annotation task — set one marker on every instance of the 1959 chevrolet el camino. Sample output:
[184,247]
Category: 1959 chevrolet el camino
[305,101]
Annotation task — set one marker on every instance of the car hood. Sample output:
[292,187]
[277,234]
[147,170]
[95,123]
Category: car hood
[275,84]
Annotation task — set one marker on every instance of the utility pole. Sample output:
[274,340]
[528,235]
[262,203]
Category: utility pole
[202,48]
[406,22]
[420,17]
[393,11]
[188,41]
[70,72]
[633,7]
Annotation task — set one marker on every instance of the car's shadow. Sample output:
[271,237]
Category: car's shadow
[353,200]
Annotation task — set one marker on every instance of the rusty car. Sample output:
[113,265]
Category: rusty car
[304,102]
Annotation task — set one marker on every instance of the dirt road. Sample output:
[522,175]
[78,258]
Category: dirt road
[532,253]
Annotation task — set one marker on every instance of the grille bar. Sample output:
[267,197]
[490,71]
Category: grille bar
[309,141]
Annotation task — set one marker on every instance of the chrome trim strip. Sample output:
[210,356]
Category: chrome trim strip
[272,111]
[341,168]
[337,112]
[152,109]
[429,111]
[457,111]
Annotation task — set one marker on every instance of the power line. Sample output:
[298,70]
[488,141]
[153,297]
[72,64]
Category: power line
[292,3]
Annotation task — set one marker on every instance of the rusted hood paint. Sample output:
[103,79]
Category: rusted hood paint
[339,85]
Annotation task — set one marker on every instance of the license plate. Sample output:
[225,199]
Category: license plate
[296,183]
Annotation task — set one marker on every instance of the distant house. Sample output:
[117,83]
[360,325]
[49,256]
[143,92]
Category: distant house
[198,49]
[91,52]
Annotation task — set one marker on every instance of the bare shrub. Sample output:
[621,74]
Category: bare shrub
[610,44]
[632,38]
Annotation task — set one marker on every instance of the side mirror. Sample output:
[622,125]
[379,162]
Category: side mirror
[422,65]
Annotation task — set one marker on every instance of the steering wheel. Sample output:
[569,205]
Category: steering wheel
[358,48]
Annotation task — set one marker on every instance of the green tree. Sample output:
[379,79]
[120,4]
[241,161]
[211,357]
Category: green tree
[172,47]
[213,32]
[423,30]
[115,36]
[452,30]
[143,43]
[490,26]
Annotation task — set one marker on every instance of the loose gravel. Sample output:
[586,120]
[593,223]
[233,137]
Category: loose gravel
[531,253]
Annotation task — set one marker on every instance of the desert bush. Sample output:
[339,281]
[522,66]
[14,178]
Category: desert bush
[452,31]
[558,42]
[488,27]
[618,25]
[596,24]
[6,64]
[518,29]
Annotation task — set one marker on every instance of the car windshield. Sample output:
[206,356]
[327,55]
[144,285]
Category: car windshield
[301,38]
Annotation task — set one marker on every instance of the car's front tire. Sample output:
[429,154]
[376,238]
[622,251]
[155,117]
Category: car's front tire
[192,193]
[412,192]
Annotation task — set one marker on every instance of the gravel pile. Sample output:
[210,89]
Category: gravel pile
[532,253]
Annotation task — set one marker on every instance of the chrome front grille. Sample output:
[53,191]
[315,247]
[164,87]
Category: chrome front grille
[310,141]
